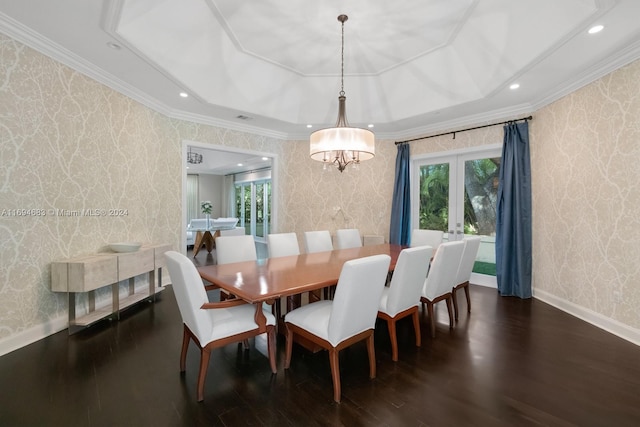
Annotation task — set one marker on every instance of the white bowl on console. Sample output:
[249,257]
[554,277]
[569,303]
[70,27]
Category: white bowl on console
[125,246]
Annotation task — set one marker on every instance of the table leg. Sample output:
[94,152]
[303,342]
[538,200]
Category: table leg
[197,243]
[208,241]
[259,317]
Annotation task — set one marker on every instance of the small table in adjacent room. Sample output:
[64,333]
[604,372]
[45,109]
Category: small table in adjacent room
[207,237]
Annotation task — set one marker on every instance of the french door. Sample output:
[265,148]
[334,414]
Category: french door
[253,207]
[457,193]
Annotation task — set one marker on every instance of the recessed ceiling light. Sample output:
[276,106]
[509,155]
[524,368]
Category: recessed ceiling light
[184,94]
[114,46]
[309,126]
[370,125]
[595,29]
[514,86]
[265,158]
[240,164]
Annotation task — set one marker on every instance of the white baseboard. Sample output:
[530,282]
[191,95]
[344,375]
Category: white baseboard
[31,335]
[610,325]
[483,280]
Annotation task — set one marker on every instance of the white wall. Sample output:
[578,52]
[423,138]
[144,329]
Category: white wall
[210,188]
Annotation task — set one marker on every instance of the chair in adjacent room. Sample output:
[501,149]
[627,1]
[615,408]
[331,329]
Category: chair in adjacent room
[431,238]
[402,298]
[441,279]
[317,241]
[469,254]
[348,238]
[211,325]
[349,318]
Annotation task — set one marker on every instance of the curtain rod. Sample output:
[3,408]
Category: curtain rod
[464,130]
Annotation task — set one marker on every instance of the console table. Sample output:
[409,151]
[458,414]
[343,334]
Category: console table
[92,272]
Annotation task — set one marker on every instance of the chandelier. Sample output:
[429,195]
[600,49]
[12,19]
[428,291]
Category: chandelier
[342,145]
[194,158]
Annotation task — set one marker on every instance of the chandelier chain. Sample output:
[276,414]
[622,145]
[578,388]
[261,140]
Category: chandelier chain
[342,58]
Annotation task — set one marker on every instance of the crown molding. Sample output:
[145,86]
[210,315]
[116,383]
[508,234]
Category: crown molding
[212,121]
[623,57]
[45,46]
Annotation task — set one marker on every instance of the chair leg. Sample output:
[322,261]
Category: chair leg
[432,320]
[372,356]
[293,302]
[185,345]
[334,361]
[289,348]
[416,327]
[271,348]
[450,311]
[391,325]
[455,302]
[466,293]
[205,354]
[245,344]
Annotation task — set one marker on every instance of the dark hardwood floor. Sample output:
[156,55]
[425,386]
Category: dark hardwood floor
[510,362]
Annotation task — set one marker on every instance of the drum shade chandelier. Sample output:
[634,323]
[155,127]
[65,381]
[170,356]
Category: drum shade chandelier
[342,145]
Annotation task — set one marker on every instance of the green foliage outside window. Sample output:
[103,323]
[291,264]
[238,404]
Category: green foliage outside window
[480,193]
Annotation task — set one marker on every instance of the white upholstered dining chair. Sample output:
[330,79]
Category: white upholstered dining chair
[469,254]
[402,298]
[211,324]
[238,231]
[348,238]
[317,241]
[441,279]
[349,318]
[235,249]
[282,244]
[431,238]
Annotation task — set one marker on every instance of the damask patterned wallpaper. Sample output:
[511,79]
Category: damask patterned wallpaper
[68,143]
[585,154]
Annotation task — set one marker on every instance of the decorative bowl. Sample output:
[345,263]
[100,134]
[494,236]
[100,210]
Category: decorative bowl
[125,246]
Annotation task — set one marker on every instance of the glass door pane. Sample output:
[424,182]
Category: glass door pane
[480,195]
[259,201]
[267,207]
[479,179]
[434,197]
[246,202]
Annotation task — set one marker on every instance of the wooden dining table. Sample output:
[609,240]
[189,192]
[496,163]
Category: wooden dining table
[268,280]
